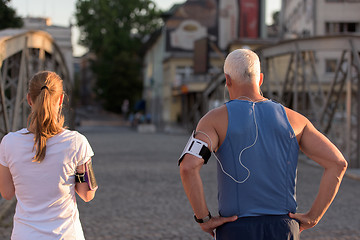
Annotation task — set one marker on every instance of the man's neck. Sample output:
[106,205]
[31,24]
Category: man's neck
[247,92]
[250,98]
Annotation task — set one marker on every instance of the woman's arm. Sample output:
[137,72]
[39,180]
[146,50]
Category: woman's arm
[83,189]
[7,188]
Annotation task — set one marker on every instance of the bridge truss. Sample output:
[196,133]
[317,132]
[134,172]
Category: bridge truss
[295,76]
[22,54]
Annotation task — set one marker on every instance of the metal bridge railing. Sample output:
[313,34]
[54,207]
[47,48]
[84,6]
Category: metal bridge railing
[22,54]
[295,75]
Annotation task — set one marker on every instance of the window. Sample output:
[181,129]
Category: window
[342,1]
[352,27]
[330,65]
[183,74]
[333,27]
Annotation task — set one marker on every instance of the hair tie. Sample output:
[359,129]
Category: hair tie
[43,87]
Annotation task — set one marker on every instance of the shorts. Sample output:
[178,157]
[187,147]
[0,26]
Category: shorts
[268,227]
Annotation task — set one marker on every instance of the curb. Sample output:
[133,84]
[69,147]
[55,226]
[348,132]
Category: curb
[351,173]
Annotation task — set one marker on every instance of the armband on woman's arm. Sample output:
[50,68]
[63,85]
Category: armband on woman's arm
[87,176]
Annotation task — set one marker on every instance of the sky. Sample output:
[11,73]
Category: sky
[62,12]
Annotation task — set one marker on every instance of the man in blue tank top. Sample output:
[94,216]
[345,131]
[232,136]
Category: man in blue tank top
[256,143]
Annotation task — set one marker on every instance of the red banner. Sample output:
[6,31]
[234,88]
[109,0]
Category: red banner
[249,19]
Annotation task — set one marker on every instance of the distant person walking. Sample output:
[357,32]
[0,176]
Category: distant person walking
[125,108]
[256,143]
[43,165]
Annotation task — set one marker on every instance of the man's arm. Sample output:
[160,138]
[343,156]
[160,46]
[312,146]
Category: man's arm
[190,177]
[7,188]
[318,148]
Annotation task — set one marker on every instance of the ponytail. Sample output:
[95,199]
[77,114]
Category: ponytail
[45,119]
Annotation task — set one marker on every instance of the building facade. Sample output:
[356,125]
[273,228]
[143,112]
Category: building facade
[310,18]
[183,57]
[319,17]
[61,35]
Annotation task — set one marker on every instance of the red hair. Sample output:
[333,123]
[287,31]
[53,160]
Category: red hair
[46,119]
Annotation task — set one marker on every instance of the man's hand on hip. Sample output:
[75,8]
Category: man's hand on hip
[215,222]
[305,221]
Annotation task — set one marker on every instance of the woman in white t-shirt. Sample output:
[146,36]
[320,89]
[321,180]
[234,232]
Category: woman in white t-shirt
[39,164]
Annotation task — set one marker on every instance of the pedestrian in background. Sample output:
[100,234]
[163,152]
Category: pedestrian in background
[40,164]
[256,143]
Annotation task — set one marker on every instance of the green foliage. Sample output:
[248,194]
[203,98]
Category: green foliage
[276,18]
[8,18]
[113,30]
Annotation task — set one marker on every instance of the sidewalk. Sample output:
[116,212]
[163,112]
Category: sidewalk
[140,195]
[98,117]
[353,173]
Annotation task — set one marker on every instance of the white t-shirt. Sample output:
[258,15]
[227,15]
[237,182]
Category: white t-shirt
[46,204]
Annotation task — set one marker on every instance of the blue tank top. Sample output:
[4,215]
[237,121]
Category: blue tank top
[272,161]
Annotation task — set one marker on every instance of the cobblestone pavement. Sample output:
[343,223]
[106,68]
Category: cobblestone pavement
[140,195]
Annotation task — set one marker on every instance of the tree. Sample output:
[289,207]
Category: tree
[114,30]
[8,18]
[276,18]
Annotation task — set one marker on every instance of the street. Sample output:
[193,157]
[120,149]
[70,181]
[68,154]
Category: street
[140,195]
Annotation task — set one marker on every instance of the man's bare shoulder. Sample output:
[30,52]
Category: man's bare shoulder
[295,117]
[297,121]
[215,119]
[214,124]
[216,114]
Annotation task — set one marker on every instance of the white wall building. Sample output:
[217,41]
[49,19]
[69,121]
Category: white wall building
[187,52]
[153,78]
[304,18]
[310,18]
[61,35]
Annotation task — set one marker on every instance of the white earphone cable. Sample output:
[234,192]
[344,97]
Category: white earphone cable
[250,146]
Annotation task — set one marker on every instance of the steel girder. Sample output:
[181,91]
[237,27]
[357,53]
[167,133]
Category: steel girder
[292,76]
[22,54]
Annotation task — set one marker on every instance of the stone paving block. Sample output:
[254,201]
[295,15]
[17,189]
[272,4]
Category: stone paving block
[140,195]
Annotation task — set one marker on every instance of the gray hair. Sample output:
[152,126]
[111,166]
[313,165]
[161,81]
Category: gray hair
[243,65]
